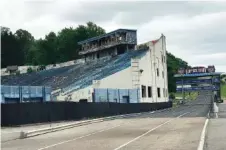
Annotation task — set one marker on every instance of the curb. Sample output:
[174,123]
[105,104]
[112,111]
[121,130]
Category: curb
[27,134]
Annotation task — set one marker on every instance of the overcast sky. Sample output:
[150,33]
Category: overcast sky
[195,31]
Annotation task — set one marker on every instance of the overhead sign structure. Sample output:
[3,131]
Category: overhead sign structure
[198,79]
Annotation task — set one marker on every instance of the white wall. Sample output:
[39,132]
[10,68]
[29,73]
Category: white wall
[149,64]
[119,80]
[85,93]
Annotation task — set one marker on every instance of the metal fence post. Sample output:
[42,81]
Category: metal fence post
[118,95]
[107,96]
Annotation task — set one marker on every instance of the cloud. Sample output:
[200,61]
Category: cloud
[195,31]
[191,38]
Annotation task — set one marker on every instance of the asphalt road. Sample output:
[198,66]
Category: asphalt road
[176,129]
[216,131]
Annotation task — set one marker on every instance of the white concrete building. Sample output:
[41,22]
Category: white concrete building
[146,73]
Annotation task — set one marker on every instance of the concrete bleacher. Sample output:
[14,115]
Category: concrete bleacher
[74,77]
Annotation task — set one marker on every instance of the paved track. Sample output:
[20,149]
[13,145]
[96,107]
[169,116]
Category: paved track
[179,128]
[216,131]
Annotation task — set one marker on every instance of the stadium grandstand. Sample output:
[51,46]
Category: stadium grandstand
[115,69]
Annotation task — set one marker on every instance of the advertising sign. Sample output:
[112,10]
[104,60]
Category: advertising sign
[196,70]
[194,81]
[199,88]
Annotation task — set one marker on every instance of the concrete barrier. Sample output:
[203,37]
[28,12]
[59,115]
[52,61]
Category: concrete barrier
[8,136]
[27,134]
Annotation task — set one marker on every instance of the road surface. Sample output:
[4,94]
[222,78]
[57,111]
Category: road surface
[216,131]
[175,129]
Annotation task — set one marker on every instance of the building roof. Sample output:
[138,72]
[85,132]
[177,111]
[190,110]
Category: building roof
[104,35]
[198,74]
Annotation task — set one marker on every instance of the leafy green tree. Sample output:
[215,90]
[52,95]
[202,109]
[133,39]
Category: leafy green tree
[69,37]
[25,41]
[10,54]
[173,64]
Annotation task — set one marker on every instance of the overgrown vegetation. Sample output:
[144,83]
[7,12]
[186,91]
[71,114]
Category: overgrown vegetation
[188,95]
[20,48]
[223,90]
[29,70]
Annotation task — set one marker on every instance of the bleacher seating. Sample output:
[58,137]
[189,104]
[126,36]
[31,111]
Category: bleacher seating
[74,77]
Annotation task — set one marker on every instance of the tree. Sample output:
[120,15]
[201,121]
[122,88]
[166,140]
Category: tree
[94,30]
[68,39]
[173,64]
[21,48]
[11,55]
[25,41]
[49,48]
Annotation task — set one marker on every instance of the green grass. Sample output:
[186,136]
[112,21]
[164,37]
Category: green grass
[192,96]
[223,91]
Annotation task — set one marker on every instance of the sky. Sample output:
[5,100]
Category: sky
[195,31]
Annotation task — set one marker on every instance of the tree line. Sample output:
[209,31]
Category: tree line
[21,48]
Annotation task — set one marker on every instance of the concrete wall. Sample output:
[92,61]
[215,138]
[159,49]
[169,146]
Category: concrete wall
[119,80]
[150,63]
[85,93]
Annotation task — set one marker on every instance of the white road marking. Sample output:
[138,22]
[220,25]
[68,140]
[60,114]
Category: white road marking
[202,138]
[78,138]
[148,132]
[216,115]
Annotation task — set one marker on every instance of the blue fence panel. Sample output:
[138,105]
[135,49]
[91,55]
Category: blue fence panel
[124,94]
[24,93]
[48,97]
[134,95]
[36,91]
[10,91]
[100,95]
[48,90]
[112,95]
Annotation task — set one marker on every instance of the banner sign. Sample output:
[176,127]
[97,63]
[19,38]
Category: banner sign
[199,88]
[194,81]
[197,81]
[196,70]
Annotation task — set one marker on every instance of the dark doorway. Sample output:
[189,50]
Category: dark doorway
[98,55]
[121,50]
[125,99]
